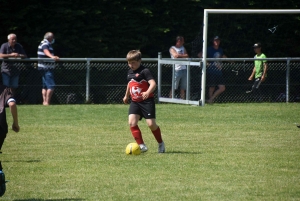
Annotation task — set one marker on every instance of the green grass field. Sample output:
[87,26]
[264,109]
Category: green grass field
[216,152]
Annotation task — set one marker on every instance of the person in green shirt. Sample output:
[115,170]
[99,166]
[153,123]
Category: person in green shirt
[260,68]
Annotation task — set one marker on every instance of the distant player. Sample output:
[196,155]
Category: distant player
[141,85]
[260,69]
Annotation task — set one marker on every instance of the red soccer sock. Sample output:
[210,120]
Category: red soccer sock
[137,134]
[157,135]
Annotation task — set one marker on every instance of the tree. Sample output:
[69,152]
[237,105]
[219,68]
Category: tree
[105,28]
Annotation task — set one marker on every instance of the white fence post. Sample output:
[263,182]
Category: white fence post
[287,80]
[87,89]
[159,76]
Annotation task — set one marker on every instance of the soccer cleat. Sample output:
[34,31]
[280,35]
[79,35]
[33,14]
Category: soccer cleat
[161,147]
[143,148]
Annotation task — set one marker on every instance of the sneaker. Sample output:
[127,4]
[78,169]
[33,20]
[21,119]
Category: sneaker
[248,92]
[161,147]
[143,148]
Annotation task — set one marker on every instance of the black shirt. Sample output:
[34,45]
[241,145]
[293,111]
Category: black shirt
[9,67]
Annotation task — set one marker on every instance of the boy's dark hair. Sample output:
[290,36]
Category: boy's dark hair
[134,55]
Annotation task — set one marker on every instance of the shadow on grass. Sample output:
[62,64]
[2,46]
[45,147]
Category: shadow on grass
[181,152]
[63,199]
[21,161]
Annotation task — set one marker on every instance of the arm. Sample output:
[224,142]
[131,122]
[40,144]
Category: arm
[263,77]
[23,53]
[185,55]
[10,55]
[126,97]
[252,74]
[176,55]
[200,54]
[19,48]
[224,56]
[173,53]
[150,90]
[47,53]
[14,113]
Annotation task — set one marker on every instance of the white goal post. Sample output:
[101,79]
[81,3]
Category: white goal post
[230,11]
[201,63]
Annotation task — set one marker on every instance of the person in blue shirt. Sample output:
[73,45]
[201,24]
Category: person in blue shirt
[214,76]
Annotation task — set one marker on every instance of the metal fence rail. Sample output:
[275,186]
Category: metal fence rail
[102,81]
[78,80]
[282,84]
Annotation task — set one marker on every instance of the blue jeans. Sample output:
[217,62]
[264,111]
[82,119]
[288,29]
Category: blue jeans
[10,81]
[47,78]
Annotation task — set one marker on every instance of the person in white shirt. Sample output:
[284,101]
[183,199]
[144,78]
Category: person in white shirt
[179,51]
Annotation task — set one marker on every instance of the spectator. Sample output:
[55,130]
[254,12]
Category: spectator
[6,99]
[141,85]
[214,76]
[178,51]
[10,71]
[46,68]
[260,69]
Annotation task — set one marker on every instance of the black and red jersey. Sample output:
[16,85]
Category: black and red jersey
[138,83]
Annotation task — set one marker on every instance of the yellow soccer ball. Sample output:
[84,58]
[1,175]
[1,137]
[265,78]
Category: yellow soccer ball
[133,149]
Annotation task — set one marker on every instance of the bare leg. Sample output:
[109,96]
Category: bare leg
[152,124]
[44,94]
[211,91]
[170,94]
[221,89]
[182,94]
[49,96]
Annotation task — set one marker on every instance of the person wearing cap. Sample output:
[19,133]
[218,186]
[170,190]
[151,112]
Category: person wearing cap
[260,68]
[214,75]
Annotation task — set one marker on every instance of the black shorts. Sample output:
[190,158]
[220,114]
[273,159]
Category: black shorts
[145,108]
[214,79]
[257,83]
[3,133]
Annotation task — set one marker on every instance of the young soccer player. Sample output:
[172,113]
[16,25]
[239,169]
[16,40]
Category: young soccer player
[141,85]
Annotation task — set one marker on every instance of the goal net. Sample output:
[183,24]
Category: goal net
[269,29]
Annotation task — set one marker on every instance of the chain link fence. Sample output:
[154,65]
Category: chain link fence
[104,81]
[281,78]
[77,82]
